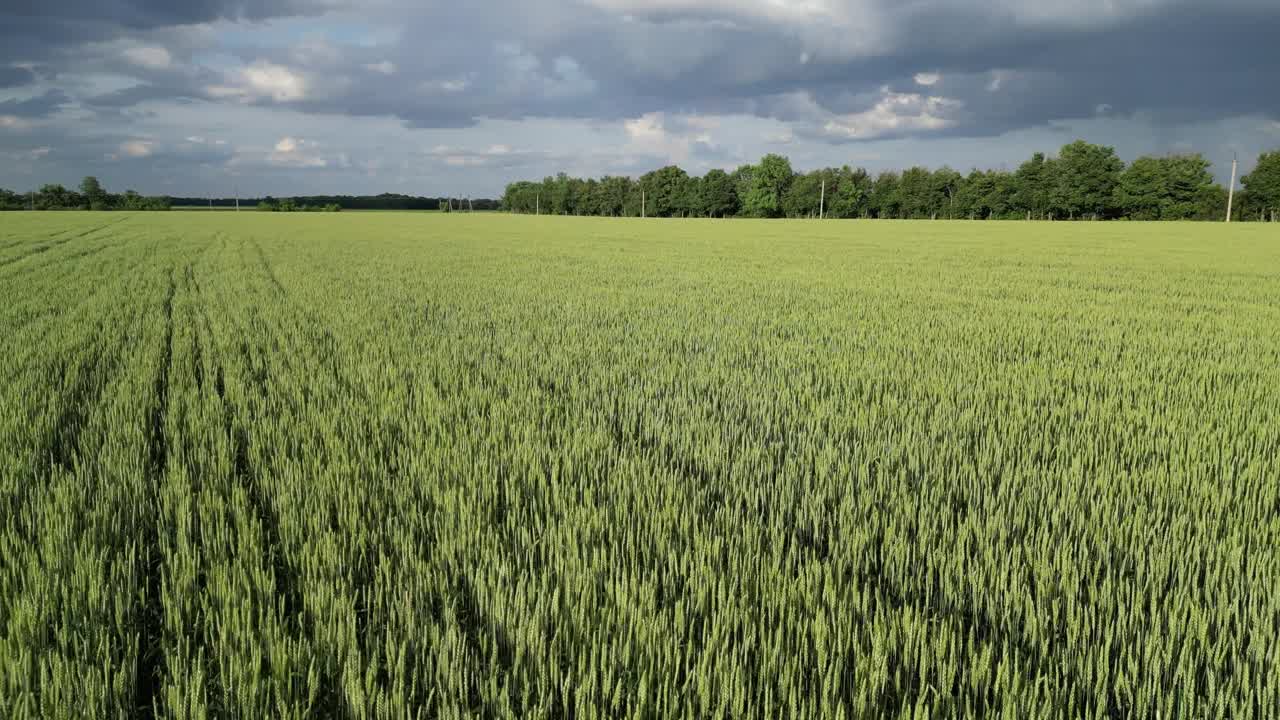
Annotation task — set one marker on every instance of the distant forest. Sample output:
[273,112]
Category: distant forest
[385,201]
[1083,182]
[92,196]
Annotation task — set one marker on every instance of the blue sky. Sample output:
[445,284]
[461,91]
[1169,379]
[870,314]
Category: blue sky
[295,97]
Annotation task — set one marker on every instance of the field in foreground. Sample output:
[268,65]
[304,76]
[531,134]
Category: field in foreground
[443,466]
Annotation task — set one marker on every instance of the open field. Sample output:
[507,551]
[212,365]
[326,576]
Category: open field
[415,465]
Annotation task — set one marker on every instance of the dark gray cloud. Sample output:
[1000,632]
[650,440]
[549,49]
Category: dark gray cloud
[822,72]
[999,66]
[37,107]
[1006,65]
[35,26]
[16,77]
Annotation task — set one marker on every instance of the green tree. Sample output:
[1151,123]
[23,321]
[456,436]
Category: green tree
[1140,194]
[10,200]
[93,193]
[1086,180]
[690,198]
[1177,187]
[885,201]
[1189,186]
[558,195]
[664,191]
[614,192]
[986,195]
[1263,186]
[522,197]
[848,199]
[578,191]
[1033,187]
[769,184]
[803,198]
[590,200]
[944,184]
[56,197]
[921,195]
[718,198]
[743,178]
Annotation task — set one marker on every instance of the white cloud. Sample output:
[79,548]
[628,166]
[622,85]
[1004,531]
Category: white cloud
[298,160]
[463,160]
[136,148]
[702,122]
[13,122]
[525,74]
[1078,14]
[315,51]
[827,28]
[295,152]
[453,85]
[646,128]
[670,137]
[779,10]
[386,67]
[895,113]
[263,79]
[927,78]
[275,81]
[28,155]
[151,58]
[491,156]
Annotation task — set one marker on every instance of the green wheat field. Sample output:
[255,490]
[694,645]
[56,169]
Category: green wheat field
[424,466]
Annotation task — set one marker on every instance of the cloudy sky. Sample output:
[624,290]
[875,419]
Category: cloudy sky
[335,96]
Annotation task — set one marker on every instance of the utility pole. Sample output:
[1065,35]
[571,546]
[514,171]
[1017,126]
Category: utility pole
[1231,194]
[537,208]
[642,210]
[822,201]
[471,207]
[237,192]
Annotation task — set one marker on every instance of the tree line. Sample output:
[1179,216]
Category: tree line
[90,196]
[385,201]
[270,204]
[1083,181]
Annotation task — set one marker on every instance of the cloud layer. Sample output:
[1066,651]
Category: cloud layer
[361,89]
